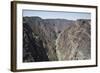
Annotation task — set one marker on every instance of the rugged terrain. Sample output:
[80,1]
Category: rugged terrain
[56,39]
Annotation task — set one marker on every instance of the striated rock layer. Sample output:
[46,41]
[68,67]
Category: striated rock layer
[56,39]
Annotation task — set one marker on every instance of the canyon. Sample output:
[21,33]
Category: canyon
[56,39]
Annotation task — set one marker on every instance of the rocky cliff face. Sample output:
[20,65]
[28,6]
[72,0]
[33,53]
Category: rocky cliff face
[74,42]
[55,39]
[33,49]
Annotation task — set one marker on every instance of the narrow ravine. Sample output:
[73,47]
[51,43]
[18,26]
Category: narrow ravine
[56,44]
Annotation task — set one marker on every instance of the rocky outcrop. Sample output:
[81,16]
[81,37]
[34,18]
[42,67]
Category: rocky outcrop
[74,42]
[55,39]
[33,49]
